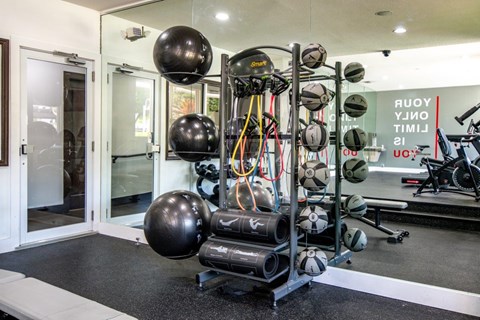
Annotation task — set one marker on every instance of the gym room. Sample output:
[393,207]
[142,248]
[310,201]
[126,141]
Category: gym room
[206,159]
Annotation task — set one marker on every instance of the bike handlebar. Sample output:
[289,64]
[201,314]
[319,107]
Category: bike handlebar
[467,114]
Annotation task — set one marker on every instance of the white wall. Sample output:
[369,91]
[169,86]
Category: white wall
[47,25]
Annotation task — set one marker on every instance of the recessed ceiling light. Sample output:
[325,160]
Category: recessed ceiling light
[383,13]
[400,29]
[222,16]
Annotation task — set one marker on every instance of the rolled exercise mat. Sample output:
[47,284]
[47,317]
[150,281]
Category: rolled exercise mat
[239,259]
[251,225]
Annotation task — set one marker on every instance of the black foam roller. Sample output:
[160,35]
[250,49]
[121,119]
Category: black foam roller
[239,259]
[251,225]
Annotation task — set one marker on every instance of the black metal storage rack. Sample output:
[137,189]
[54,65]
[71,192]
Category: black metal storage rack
[295,280]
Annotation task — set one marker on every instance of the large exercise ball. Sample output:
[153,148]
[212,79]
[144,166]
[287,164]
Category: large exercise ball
[193,137]
[42,135]
[177,223]
[182,55]
[263,198]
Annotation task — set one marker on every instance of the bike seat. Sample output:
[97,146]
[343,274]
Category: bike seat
[463,137]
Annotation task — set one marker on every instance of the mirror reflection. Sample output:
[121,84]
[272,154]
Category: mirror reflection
[411,91]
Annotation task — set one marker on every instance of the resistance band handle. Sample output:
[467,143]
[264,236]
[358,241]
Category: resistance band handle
[467,114]
[278,84]
[241,87]
[319,122]
[257,84]
[303,122]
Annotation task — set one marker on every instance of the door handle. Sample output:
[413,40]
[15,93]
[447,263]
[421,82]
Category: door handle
[151,148]
[26,149]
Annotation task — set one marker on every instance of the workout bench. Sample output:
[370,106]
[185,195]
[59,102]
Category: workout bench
[32,299]
[378,205]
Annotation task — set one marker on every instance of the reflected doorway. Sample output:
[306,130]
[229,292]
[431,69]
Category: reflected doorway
[133,150]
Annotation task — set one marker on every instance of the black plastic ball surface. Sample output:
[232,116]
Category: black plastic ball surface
[182,55]
[177,223]
[193,137]
[263,198]
[251,62]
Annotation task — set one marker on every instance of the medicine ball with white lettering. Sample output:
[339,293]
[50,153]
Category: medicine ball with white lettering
[355,105]
[314,175]
[354,72]
[355,239]
[313,220]
[355,170]
[355,139]
[355,206]
[314,55]
[312,261]
[315,96]
[315,137]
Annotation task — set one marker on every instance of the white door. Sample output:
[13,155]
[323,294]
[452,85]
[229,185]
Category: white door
[56,153]
[132,144]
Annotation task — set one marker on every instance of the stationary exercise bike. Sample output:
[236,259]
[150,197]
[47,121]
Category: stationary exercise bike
[465,175]
[445,178]
[473,128]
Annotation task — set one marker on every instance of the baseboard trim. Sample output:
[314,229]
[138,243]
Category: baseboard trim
[428,295]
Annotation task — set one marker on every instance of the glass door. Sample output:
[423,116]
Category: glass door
[54,108]
[132,144]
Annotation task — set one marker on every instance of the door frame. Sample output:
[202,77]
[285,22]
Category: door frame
[107,80]
[28,238]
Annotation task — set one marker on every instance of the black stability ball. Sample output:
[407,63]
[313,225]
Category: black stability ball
[182,55]
[193,137]
[177,223]
[263,198]
[250,62]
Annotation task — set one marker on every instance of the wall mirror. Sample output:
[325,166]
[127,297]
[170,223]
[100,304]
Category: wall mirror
[4,93]
[410,75]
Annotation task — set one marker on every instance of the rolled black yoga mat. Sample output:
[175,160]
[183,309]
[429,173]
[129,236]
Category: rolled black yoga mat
[251,225]
[239,258]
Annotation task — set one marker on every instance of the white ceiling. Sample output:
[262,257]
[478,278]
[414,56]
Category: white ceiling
[343,27]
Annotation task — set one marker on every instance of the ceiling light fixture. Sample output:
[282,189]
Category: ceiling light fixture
[400,30]
[222,16]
